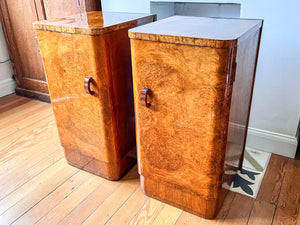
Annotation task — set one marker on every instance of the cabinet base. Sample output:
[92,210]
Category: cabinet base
[183,199]
[110,171]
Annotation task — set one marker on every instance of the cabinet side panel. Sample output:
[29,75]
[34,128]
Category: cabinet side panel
[118,44]
[180,138]
[241,99]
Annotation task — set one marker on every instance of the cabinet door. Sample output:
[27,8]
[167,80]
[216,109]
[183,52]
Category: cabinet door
[84,121]
[181,137]
[17,18]
[55,8]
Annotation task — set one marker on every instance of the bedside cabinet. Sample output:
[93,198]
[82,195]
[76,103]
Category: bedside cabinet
[88,69]
[193,80]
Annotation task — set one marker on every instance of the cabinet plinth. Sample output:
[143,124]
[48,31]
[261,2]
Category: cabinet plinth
[88,69]
[191,127]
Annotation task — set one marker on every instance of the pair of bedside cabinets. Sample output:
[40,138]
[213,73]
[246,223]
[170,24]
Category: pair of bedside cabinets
[183,92]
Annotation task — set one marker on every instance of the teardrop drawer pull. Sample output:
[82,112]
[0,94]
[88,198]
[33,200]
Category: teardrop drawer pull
[144,95]
[87,85]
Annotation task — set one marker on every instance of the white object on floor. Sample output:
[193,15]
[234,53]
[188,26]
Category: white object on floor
[247,181]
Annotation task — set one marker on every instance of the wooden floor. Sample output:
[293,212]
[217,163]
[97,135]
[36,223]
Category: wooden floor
[37,186]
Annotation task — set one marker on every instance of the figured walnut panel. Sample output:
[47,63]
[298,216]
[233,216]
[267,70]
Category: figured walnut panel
[192,102]
[94,23]
[178,135]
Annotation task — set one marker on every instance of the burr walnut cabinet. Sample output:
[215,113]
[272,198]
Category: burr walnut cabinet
[88,69]
[193,79]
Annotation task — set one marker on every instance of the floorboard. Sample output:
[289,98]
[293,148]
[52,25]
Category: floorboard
[262,213]
[288,208]
[83,210]
[51,200]
[115,200]
[129,209]
[239,211]
[188,218]
[272,182]
[39,187]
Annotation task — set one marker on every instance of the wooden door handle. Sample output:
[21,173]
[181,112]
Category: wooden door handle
[87,85]
[144,97]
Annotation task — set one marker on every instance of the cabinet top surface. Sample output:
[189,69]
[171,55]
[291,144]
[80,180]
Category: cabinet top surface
[93,23]
[181,29]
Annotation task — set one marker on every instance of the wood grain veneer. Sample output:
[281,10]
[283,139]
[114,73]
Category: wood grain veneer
[96,130]
[191,139]
[93,23]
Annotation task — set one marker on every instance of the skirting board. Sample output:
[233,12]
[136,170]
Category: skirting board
[272,142]
[264,140]
[7,87]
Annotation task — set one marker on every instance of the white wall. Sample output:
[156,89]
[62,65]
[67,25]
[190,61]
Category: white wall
[7,84]
[276,101]
[138,6]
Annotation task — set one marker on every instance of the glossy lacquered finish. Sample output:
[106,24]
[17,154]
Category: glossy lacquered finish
[93,23]
[190,138]
[90,85]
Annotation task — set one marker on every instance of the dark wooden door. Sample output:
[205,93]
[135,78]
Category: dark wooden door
[55,8]
[17,18]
